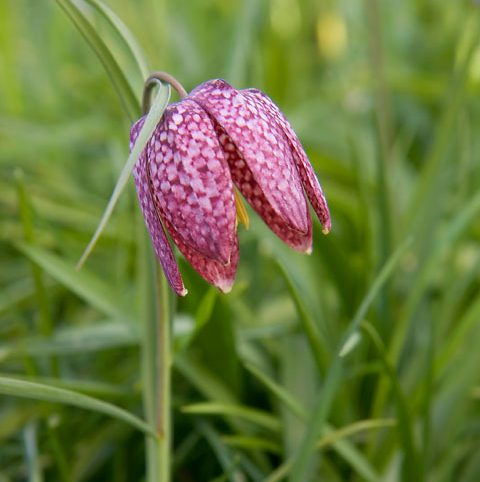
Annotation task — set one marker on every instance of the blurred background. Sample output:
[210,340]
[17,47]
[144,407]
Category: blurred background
[385,99]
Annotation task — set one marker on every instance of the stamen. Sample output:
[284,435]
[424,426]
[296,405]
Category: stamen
[242,215]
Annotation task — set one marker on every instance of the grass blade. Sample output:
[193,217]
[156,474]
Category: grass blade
[87,286]
[120,82]
[411,465]
[258,417]
[37,391]
[34,468]
[308,324]
[335,437]
[124,32]
[333,377]
[153,117]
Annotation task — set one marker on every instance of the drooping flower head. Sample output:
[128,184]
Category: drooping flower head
[213,139]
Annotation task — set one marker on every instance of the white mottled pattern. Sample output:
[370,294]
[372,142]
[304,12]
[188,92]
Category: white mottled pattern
[192,182]
[184,179]
[154,226]
[263,146]
[309,178]
[244,180]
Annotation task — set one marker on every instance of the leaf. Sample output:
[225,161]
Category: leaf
[252,443]
[357,460]
[308,324]
[153,117]
[286,398]
[37,391]
[258,417]
[333,378]
[85,284]
[411,465]
[72,340]
[125,33]
[120,82]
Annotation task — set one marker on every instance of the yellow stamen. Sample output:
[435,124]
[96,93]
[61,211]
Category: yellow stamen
[242,215]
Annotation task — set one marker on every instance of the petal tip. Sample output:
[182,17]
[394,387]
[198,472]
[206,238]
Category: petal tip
[325,230]
[225,286]
[184,292]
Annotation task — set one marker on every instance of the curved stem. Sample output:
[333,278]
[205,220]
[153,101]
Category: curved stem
[156,78]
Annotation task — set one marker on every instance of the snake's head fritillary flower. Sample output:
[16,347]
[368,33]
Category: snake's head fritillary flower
[216,138]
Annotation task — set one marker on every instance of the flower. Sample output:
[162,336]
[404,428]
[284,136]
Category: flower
[213,139]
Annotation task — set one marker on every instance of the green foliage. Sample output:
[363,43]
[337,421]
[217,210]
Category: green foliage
[357,363]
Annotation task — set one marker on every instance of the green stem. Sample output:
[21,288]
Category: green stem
[164,366]
[156,78]
[158,356]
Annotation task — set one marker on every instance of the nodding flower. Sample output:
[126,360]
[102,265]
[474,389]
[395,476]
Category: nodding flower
[212,142]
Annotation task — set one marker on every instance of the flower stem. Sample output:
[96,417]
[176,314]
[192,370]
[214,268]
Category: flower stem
[157,345]
[154,79]
[164,365]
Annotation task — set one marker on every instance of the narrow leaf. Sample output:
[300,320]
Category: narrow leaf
[308,324]
[120,82]
[258,417]
[153,117]
[37,391]
[85,285]
[333,378]
[124,32]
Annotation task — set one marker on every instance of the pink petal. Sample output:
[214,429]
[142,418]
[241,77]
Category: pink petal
[220,275]
[309,178]
[192,182]
[264,149]
[157,234]
[243,178]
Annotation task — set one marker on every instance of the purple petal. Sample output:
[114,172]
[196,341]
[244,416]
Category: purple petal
[309,178]
[220,275]
[191,181]
[263,148]
[155,228]
[244,180]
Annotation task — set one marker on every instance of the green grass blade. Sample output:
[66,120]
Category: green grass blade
[345,448]
[124,32]
[85,284]
[458,226]
[337,439]
[286,398]
[333,378]
[37,391]
[308,324]
[153,117]
[203,380]
[120,82]
[352,429]
[258,417]
[34,468]
[71,340]
[411,466]
[89,387]
[252,443]
[228,463]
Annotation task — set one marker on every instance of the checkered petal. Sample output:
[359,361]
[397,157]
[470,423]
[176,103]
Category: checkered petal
[154,226]
[191,181]
[309,179]
[220,275]
[260,159]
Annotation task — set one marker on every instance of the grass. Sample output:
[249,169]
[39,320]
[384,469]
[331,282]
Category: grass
[357,363]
